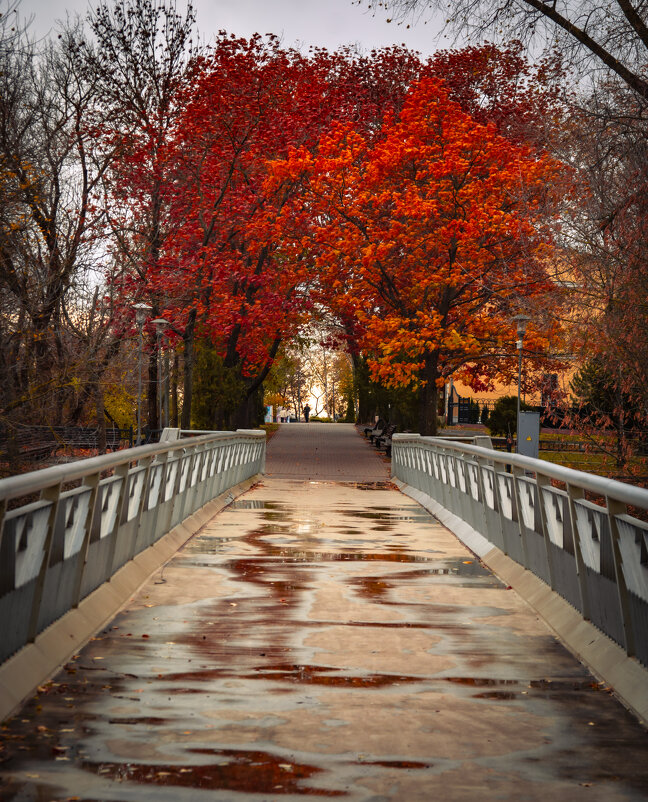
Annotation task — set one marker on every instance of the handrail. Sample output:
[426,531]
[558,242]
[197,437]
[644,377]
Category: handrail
[595,555]
[56,550]
[35,481]
[600,485]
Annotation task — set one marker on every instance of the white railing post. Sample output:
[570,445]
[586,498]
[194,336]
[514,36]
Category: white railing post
[52,495]
[122,471]
[575,493]
[518,501]
[615,508]
[92,482]
[542,482]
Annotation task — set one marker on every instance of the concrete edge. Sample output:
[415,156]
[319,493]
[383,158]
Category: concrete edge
[36,662]
[626,677]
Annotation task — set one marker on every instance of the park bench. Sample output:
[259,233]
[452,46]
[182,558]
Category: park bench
[377,428]
[377,433]
[384,440]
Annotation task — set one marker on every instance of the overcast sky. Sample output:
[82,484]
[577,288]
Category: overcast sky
[329,23]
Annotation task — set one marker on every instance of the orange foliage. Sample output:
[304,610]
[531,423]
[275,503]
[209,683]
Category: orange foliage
[431,235]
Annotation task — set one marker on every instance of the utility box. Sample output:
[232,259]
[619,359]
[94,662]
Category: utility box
[528,434]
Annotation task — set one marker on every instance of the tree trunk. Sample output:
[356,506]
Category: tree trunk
[245,416]
[188,339]
[622,445]
[101,418]
[151,390]
[174,392]
[361,388]
[429,399]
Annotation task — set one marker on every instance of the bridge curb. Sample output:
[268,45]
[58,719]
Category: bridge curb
[625,676]
[35,663]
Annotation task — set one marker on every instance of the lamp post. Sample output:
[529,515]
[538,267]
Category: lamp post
[299,405]
[160,325]
[140,317]
[522,322]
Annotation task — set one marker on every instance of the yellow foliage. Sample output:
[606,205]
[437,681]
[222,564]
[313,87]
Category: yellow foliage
[121,406]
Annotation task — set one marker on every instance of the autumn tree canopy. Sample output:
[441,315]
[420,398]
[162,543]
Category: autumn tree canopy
[225,280]
[240,189]
[435,234]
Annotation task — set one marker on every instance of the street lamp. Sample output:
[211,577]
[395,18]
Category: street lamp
[160,325]
[299,405]
[140,317]
[522,322]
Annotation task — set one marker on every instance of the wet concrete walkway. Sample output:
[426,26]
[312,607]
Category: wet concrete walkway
[324,638]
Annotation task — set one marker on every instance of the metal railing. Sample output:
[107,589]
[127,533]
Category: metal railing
[61,542]
[592,551]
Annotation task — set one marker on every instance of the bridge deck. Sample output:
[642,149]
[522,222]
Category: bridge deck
[324,636]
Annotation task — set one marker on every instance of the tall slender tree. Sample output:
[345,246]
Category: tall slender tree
[137,58]
[51,170]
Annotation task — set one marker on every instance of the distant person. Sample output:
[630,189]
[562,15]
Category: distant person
[306,413]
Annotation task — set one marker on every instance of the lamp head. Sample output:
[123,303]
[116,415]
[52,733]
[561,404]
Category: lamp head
[522,322]
[140,313]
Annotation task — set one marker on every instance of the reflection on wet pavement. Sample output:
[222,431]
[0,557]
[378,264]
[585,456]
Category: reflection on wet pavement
[236,770]
[323,640]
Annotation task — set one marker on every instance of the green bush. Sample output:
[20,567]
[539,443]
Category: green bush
[503,419]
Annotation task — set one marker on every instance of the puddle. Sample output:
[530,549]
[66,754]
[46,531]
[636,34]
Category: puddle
[300,556]
[276,515]
[371,587]
[566,685]
[480,577]
[397,764]
[371,485]
[254,504]
[318,675]
[231,770]
[384,514]
[480,682]
[557,686]
[298,674]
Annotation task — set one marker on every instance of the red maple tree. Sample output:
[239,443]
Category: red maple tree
[432,235]
[225,280]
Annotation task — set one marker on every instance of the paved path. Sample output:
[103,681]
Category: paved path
[323,639]
[325,452]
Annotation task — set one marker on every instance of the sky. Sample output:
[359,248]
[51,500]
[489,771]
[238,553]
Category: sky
[328,23]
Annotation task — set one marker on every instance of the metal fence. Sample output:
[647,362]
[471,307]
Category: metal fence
[76,524]
[581,534]
[35,443]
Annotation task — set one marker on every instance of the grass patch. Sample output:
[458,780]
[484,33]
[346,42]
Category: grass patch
[270,429]
[601,464]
